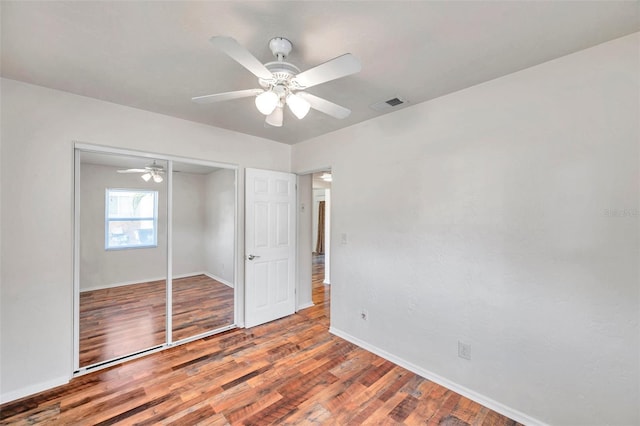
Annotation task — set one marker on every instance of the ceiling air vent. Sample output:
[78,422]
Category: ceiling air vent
[388,104]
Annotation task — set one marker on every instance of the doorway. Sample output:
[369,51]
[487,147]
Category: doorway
[314,250]
[154,253]
[321,220]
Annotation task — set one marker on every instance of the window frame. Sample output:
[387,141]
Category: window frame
[108,220]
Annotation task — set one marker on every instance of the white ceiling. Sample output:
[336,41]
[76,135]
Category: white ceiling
[156,55]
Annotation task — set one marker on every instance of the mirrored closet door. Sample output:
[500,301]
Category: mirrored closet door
[122,256]
[154,255]
[203,242]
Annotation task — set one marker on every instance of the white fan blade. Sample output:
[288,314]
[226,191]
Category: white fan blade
[132,171]
[341,66]
[226,96]
[323,105]
[276,118]
[237,52]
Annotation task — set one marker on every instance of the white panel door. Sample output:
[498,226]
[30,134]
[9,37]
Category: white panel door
[270,249]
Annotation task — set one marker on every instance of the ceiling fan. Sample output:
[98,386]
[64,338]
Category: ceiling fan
[282,83]
[152,171]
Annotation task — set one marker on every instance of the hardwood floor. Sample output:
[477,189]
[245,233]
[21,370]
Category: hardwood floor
[122,320]
[200,304]
[290,371]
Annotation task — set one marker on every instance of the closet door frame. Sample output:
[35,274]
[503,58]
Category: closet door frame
[78,148]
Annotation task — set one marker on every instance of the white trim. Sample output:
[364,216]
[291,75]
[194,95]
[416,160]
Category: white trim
[296,266]
[33,389]
[76,260]
[238,250]
[217,278]
[117,361]
[169,284]
[467,393]
[327,235]
[146,280]
[305,306]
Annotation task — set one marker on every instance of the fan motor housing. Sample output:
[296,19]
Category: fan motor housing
[283,73]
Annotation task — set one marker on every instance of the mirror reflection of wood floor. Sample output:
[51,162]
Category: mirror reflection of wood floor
[289,371]
[122,320]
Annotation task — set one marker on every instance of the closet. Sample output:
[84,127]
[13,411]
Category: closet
[154,253]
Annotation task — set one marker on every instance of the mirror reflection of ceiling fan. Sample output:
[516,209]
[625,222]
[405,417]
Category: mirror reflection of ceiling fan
[152,171]
[282,83]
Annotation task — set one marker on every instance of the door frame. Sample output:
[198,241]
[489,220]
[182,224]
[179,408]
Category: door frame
[77,148]
[301,265]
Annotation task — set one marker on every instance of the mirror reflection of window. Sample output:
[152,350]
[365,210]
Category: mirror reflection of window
[131,219]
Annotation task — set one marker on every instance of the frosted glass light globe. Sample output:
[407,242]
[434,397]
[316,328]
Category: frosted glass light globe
[266,102]
[298,106]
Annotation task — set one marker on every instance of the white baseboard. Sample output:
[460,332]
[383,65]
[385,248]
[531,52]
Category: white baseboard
[305,306]
[467,393]
[223,281]
[32,389]
[146,280]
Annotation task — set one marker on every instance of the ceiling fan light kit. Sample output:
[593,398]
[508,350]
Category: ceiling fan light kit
[152,171]
[282,82]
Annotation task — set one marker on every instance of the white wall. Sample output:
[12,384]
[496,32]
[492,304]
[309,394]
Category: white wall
[219,221]
[39,126]
[189,224]
[506,217]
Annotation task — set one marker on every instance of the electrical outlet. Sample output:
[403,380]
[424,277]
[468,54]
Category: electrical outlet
[364,314]
[464,350]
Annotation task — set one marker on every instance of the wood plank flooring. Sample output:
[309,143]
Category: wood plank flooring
[200,304]
[122,320]
[287,372]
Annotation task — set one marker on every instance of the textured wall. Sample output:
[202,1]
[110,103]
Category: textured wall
[506,216]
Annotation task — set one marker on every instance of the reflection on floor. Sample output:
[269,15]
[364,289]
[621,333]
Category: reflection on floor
[200,304]
[121,320]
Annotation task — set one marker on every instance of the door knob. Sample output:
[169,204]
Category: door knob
[252,256]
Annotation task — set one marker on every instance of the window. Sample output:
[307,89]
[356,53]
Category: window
[131,219]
